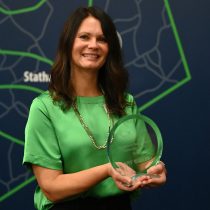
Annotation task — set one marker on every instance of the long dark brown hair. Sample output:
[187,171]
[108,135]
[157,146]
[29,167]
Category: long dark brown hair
[112,77]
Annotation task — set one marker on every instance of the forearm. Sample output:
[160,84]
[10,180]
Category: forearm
[58,186]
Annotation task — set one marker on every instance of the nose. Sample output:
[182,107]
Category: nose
[93,43]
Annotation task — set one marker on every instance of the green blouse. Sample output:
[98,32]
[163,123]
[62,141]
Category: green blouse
[56,139]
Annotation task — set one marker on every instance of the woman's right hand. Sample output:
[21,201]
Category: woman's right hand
[122,177]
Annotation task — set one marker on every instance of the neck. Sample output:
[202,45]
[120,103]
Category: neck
[86,84]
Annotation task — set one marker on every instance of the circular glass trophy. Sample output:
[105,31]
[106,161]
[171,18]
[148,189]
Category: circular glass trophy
[134,145]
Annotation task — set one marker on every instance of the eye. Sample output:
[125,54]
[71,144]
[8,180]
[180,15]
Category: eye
[102,39]
[84,37]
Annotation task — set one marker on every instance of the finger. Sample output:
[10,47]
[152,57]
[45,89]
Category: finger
[124,169]
[126,180]
[144,177]
[140,181]
[157,181]
[135,184]
[125,186]
[157,169]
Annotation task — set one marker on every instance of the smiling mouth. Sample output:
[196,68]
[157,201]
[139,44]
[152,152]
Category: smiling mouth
[90,55]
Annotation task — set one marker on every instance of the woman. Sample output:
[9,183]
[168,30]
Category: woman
[68,125]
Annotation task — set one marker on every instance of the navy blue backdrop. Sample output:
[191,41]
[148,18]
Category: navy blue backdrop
[166,49]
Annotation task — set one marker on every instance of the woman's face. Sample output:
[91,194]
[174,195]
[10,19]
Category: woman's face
[90,48]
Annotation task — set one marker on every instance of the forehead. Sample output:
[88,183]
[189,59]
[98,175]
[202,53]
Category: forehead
[90,25]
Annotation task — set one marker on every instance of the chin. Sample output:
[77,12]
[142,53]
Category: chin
[92,67]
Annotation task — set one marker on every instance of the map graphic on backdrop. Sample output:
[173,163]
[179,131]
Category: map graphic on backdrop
[28,41]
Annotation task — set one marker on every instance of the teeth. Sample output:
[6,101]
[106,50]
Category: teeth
[90,55]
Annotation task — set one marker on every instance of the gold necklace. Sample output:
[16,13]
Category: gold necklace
[89,133]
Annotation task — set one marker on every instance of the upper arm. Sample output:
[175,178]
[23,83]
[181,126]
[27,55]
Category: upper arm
[41,143]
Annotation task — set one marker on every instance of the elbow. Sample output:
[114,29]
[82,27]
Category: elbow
[51,196]
[50,193]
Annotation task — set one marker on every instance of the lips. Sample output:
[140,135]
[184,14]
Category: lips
[90,55]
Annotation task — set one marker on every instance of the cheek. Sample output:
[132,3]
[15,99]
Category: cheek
[106,51]
[73,58]
[76,51]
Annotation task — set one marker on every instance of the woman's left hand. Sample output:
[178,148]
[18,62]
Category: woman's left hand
[157,174]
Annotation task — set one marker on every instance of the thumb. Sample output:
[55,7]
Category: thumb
[124,179]
[156,169]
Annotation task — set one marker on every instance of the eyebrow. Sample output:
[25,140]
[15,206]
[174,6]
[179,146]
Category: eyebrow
[81,33]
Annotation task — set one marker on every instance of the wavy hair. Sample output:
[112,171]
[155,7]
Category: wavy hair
[112,77]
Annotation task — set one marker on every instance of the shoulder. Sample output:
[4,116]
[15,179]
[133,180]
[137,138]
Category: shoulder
[45,97]
[43,101]
[131,107]
[129,99]
[42,98]
[44,106]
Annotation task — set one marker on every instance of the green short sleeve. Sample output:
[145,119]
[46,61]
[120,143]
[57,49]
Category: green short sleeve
[41,145]
[146,150]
